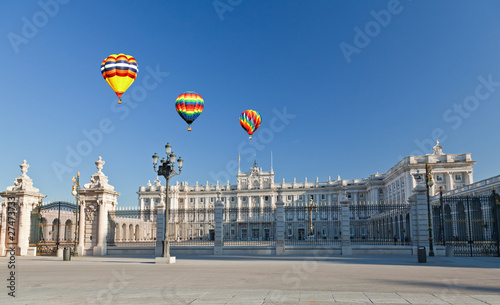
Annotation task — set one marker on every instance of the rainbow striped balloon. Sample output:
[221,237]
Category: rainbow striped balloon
[250,121]
[119,71]
[189,106]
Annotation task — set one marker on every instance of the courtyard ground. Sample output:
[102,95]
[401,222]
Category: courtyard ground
[253,280]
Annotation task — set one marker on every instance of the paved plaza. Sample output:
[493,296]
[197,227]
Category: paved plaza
[254,280]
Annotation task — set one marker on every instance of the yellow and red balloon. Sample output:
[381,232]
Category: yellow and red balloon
[119,71]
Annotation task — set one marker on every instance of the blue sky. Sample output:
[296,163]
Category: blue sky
[414,74]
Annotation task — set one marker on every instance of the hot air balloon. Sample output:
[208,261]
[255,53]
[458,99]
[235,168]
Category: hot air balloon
[189,106]
[250,121]
[119,71]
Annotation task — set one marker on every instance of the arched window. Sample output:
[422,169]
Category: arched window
[55,229]
[68,227]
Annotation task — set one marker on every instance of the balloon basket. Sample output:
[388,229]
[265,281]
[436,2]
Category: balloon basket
[250,137]
[189,128]
[119,101]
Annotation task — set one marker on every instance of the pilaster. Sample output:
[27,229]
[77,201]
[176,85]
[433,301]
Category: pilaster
[219,219]
[345,227]
[280,225]
[419,218]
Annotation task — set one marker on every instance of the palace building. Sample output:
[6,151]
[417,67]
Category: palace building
[258,188]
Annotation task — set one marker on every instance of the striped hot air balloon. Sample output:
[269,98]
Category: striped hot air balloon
[250,121]
[119,71]
[189,106]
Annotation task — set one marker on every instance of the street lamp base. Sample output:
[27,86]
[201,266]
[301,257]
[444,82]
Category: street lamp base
[165,260]
[431,253]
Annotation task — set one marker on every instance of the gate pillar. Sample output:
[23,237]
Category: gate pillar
[345,224]
[219,220]
[419,217]
[97,198]
[17,203]
[280,225]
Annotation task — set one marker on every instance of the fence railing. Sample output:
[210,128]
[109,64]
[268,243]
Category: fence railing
[192,227]
[246,226]
[312,225]
[380,224]
[304,225]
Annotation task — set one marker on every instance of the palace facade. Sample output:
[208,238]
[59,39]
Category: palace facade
[258,188]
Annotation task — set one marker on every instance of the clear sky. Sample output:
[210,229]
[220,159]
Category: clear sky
[343,87]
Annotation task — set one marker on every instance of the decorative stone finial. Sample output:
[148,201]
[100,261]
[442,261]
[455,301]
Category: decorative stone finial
[23,182]
[438,149]
[149,182]
[99,164]
[99,180]
[24,167]
[419,178]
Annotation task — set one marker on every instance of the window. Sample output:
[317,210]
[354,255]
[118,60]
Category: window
[301,197]
[212,199]
[266,198]
[244,199]
[323,196]
[191,200]
[181,200]
[439,177]
[201,200]
[289,197]
[349,195]
[311,197]
[361,195]
[458,177]
[232,199]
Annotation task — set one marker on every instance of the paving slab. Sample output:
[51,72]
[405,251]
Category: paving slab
[386,298]
[255,280]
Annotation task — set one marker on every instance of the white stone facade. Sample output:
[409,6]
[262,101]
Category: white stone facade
[258,188]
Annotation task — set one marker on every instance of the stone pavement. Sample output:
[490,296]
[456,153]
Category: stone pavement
[253,280]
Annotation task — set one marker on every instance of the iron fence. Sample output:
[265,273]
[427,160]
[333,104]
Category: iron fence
[312,225]
[380,224]
[469,224]
[192,227]
[247,226]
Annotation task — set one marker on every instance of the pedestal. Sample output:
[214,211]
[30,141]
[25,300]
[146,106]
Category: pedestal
[165,260]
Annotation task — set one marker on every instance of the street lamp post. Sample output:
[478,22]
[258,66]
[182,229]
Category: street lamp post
[166,169]
[312,206]
[428,184]
[76,192]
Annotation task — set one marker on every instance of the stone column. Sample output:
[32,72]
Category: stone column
[219,218]
[3,225]
[280,225]
[22,246]
[345,227]
[449,181]
[81,228]
[102,229]
[419,218]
